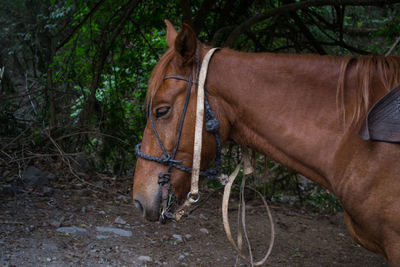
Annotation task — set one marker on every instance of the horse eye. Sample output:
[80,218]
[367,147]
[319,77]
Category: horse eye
[162,111]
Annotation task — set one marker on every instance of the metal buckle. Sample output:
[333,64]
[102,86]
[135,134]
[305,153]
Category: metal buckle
[189,197]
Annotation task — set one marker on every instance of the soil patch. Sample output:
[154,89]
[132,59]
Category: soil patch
[72,226]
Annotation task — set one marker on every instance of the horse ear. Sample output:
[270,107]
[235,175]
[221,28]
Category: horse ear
[186,43]
[171,33]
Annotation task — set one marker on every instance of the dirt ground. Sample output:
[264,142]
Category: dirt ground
[66,224]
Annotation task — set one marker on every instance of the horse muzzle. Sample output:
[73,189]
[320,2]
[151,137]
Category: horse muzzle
[150,208]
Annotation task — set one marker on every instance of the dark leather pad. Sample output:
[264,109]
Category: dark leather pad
[383,119]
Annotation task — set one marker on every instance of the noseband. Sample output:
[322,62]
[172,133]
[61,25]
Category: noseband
[168,159]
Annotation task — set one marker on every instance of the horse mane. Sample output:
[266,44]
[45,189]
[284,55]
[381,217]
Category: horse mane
[369,69]
[158,74]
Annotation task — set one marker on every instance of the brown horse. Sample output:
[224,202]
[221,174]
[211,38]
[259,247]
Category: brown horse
[303,111]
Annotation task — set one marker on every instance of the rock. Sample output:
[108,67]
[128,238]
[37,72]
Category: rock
[8,190]
[288,199]
[204,230]
[111,208]
[82,192]
[337,219]
[80,164]
[119,220]
[178,237]
[101,184]
[102,236]
[52,177]
[145,258]
[6,176]
[34,177]
[70,229]
[116,231]
[49,245]
[122,198]
[55,223]
[202,216]
[10,178]
[90,207]
[47,191]
[188,236]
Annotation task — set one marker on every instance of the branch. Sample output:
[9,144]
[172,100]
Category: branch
[157,56]
[393,46]
[201,15]
[29,95]
[307,33]
[186,12]
[77,27]
[217,34]
[1,73]
[348,47]
[292,7]
[108,38]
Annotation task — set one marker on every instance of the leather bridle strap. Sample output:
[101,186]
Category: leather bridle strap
[164,177]
[181,121]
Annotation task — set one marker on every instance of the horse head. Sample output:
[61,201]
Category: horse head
[166,151]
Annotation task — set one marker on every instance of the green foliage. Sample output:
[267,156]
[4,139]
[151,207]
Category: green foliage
[88,62]
[324,201]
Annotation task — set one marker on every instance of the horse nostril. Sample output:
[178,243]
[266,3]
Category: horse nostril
[149,209]
[139,205]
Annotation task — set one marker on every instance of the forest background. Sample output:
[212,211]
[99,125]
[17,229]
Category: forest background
[74,73]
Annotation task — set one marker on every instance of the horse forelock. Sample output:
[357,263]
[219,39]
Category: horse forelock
[158,74]
[369,69]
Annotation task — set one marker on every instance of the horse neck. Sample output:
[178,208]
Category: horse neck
[283,106]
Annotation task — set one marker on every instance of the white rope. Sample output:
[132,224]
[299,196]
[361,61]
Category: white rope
[225,203]
[198,134]
[193,195]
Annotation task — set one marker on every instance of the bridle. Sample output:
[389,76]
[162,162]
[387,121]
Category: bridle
[168,159]
[212,125]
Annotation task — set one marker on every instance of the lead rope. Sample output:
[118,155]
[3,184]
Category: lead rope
[247,170]
[194,195]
